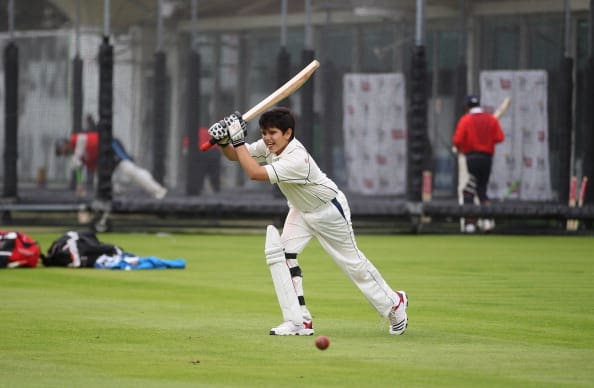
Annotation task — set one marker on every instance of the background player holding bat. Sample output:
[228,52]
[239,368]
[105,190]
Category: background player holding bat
[317,208]
[476,134]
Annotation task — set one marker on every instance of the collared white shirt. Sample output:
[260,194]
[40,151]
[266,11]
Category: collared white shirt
[297,175]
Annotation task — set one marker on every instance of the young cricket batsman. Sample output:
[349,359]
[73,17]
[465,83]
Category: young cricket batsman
[317,208]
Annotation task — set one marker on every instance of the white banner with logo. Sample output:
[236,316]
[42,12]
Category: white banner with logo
[375,133]
[521,163]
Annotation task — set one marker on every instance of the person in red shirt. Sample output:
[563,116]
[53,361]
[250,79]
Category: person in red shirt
[476,134]
[85,150]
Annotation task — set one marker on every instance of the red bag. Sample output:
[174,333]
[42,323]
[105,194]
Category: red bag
[18,250]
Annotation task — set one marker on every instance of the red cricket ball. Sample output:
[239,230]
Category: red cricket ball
[322,342]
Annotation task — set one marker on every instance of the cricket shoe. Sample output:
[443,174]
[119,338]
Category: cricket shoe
[397,316]
[290,328]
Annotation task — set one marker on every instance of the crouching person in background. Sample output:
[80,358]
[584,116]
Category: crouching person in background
[84,151]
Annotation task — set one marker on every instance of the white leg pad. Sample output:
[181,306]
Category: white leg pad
[281,277]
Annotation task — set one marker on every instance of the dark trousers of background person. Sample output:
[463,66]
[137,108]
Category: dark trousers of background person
[479,171]
[210,168]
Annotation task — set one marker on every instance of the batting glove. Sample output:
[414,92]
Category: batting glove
[237,129]
[224,142]
[219,132]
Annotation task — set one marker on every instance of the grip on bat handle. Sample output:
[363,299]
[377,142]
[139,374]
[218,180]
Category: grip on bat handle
[208,145]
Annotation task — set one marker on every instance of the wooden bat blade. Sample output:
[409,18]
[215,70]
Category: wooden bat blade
[502,108]
[571,224]
[278,95]
[283,92]
[582,191]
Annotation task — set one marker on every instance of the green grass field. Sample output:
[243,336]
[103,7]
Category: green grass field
[484,311]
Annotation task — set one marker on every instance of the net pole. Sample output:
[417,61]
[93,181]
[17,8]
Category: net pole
[159,103]
[307,90]
[417,139]
[193,186]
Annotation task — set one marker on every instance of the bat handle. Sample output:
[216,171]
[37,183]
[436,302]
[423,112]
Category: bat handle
[208,144]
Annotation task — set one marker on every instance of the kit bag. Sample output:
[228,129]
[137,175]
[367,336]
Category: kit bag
[18,250]
[77,250]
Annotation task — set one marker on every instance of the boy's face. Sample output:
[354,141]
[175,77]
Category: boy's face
[275,139]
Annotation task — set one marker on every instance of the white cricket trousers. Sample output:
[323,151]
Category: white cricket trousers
[126,171]
[331,225]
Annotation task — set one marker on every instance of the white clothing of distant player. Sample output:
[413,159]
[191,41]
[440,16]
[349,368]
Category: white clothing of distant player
[125,170]
[317,208]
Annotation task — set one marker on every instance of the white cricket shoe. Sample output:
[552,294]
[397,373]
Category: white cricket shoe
[398,317]
[290,328]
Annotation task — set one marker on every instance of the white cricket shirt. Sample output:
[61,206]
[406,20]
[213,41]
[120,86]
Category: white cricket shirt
[297,175]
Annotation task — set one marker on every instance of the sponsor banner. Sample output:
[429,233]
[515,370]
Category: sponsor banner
[521,163]
[375,133]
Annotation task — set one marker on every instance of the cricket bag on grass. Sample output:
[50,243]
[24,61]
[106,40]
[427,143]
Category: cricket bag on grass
[77,249]
[18,250]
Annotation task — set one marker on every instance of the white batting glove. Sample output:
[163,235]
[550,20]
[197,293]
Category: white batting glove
[224,142]
[237,129]
[219,132]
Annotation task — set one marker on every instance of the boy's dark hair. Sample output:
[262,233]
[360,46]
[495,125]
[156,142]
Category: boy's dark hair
[278,117]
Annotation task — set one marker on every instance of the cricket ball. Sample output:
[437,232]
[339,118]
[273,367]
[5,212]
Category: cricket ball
[322,342]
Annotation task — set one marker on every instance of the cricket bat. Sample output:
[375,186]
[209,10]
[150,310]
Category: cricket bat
[571,223]
[582,191]
[427,191]
[502,108]
[278,95]
[577,200]
[581,197]
[81,191]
